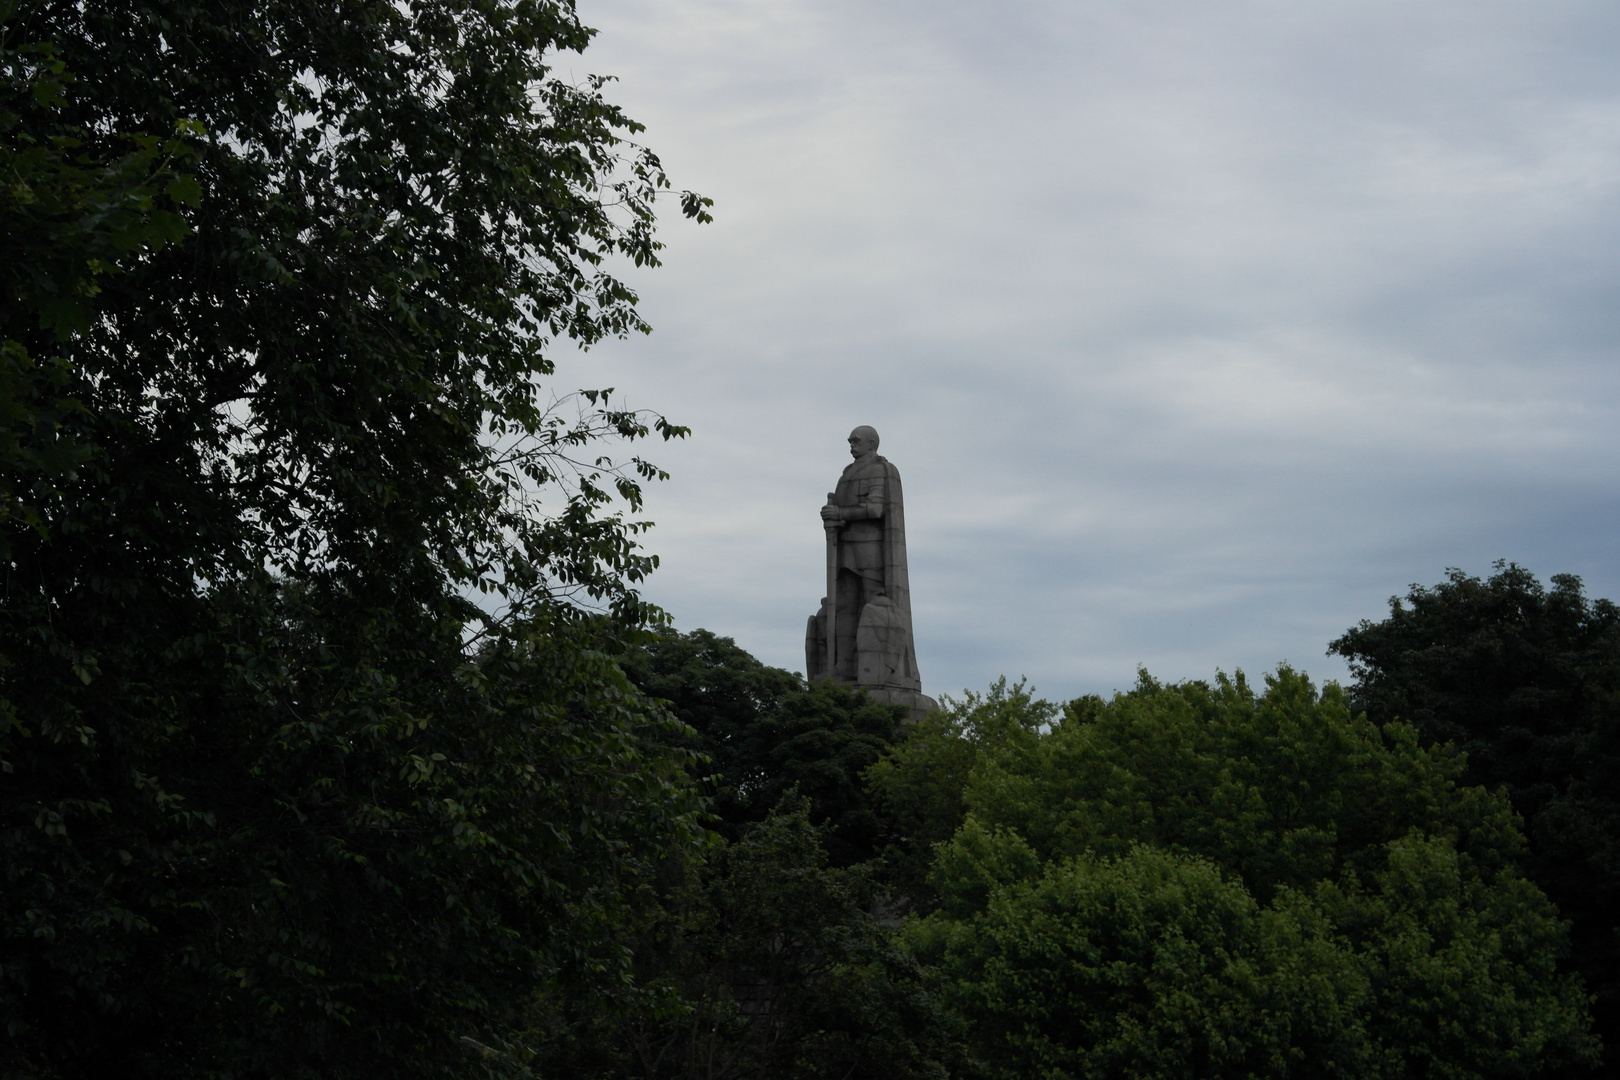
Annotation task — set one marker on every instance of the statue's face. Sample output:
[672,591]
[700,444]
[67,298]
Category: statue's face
[862,442]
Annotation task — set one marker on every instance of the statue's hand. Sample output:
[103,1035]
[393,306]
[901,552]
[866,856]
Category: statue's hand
[831,514]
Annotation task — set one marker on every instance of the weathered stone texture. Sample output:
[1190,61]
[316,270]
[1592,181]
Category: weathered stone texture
[868,602]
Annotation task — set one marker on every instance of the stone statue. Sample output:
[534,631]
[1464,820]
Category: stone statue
[862,634]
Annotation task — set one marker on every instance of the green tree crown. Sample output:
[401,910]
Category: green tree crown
[1205,880]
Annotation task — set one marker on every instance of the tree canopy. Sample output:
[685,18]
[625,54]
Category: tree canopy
[1524,679]
[1204,880]
[283,284]
[771,951]
[769,734]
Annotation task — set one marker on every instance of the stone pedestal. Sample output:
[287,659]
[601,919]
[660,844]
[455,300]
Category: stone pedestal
[919,704]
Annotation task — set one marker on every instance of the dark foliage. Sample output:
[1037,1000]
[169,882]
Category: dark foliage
[762,960]
[1526,681]
[278,800]
[324,865]
[768,733]
[766,955]
[921,784]
[1202,880]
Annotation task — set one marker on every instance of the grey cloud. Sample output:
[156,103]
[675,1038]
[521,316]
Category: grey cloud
[1196,330]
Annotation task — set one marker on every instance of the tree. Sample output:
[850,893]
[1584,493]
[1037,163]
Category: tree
[279,798]
[1152,964]
[921,783]
[1525,680]
[67,218]
[1202,880]
[769,733]
[763,960]
[767,953]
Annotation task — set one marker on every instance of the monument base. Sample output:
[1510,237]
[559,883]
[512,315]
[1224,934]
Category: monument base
[919,704]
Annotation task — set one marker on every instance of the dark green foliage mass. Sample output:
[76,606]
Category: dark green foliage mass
[762,960]
[68,218]
[769,955]
[921,786]
[1202,880]
[338,866]
[1195,880]
[282,280]
[1526,680]
[768,733]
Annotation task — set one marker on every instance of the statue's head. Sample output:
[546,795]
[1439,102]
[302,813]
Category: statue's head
[863,442]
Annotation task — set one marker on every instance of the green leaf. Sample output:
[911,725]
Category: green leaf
[184,189]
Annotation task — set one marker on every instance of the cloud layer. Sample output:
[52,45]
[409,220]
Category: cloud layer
[1196,330]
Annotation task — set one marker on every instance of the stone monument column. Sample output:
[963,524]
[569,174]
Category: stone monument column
[862,635]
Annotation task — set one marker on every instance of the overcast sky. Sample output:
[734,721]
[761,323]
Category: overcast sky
[1195,330]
